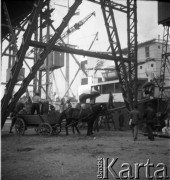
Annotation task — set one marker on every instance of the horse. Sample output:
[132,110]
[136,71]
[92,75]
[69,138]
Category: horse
[76,115]
[71,117]
[90,115]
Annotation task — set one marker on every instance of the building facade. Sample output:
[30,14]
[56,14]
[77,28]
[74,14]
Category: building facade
[149,62]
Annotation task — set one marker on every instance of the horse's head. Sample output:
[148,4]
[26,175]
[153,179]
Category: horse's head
[99,108]
[104,108]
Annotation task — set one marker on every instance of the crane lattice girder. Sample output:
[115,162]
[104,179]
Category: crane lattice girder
[79,51]
[132,47]
[75,26]
[164,59]
[72,29]
[80,67]
[40,60]
[67,33]
[20,58]
[14,40]
[116,48]
[112,4]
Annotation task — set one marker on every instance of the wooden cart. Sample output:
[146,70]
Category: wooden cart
[44,125]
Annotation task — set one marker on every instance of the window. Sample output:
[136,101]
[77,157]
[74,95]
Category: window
[147,52]
[140,67]
[96,88]
[159,47]
[106,88]
[152,65]
[118,88]
[84,81]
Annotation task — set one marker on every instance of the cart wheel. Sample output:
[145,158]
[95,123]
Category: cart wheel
[20,126]
[44,129]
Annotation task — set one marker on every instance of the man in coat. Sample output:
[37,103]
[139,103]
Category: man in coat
[149,116]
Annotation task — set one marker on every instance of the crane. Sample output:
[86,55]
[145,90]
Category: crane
[95,38]
[76,26]
[71,30]
[7,103]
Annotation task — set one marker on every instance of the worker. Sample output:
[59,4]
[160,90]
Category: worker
[36,100]
[166,129]
[134,118]
[111,114]
[121,120]
[110,102]
[19,107]
[69,106]
[149,116]
[62,105]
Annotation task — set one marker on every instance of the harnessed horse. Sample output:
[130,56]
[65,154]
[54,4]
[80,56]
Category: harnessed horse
[75,115]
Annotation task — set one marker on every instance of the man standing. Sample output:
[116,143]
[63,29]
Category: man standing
[69,108]
[121,120]
[149,116]
[36,104]
[110,101]
[135,116]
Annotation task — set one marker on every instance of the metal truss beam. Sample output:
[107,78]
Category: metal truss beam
[12,41]
[75,59]
[26,57]
[10,28]
[164,59]
[113,5]
[79,52]
[132,48]
[116,49]
[80,66]
[52,72]
[18,64]
[41,58]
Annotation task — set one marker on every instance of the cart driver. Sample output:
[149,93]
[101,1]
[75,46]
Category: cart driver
[36,103]
[69,106]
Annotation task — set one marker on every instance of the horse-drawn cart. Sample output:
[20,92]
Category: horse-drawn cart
[44,125]
[52,122]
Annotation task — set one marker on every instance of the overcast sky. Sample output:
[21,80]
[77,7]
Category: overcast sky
[147,14]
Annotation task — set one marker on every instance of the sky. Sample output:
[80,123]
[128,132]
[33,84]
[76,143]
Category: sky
[147,15]
[148,28]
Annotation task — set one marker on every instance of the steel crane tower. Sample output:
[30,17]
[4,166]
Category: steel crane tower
[127,73]
[7,103]
[126,66]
